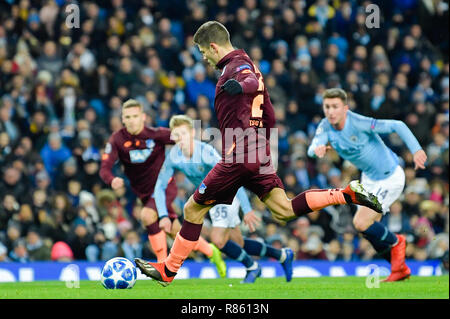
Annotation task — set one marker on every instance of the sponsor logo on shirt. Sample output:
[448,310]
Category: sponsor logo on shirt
[139,156]
[150,143]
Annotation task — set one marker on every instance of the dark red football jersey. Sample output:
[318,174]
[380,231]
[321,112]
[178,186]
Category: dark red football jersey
[251,110]
[142,156]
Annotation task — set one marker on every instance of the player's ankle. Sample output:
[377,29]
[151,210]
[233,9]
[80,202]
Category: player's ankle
[168,272]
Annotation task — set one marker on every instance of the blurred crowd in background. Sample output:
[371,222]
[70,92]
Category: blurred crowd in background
[62,86]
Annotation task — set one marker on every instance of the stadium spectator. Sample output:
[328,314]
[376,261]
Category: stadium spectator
[36,247]
[50,59]
[79,239]
[3,253]
[132,246]
[8,209]
[333,250]
[19,252]
[200,84]
[101,249]
[61,252]
[13,182]
[53,154]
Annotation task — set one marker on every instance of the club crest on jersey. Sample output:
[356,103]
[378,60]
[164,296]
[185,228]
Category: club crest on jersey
[354,138]
[202,188]
[150,143]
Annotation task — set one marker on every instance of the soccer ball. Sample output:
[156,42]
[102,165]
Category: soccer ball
[118,273]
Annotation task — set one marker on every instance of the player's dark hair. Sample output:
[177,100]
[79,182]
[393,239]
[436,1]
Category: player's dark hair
[212,32]
[335,93]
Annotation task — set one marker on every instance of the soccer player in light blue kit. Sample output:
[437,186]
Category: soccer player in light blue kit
[356,139]
[195,159]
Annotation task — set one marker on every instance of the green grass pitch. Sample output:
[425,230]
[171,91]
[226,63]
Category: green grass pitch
[436,287]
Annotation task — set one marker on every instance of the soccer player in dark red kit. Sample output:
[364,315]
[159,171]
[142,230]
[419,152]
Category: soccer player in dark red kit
[141,150]
[245,116]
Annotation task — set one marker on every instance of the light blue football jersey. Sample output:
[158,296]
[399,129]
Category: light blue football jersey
[195,169]
[360,143]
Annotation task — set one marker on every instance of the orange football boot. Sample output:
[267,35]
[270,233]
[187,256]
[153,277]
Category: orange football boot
[154,271]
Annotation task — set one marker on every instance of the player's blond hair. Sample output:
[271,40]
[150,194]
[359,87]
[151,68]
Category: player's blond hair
[335,93]
[212,32]
[178,120]
[131,103]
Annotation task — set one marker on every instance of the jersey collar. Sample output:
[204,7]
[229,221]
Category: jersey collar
[226,59]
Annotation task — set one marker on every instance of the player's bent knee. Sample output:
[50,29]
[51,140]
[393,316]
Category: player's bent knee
[218,241]
[148,216]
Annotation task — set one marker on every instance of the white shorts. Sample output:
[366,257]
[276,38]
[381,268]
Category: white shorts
[225,216]
[387,190]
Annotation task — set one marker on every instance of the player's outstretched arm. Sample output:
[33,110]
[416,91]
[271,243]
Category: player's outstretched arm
[369,124]
[318,146]
[250,218]
[165,174]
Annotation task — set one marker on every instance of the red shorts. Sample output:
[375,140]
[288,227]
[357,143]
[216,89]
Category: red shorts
[171,194]
[224,180]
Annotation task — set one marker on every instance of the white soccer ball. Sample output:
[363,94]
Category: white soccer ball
[118,273]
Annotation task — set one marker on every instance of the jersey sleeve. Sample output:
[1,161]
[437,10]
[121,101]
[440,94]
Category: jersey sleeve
[165,174]
[163,136]
[320,138]
[244,201]
[244,74]
[109,158]
[371,125]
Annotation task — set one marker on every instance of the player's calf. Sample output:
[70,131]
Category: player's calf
[361,224]
[219,237]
